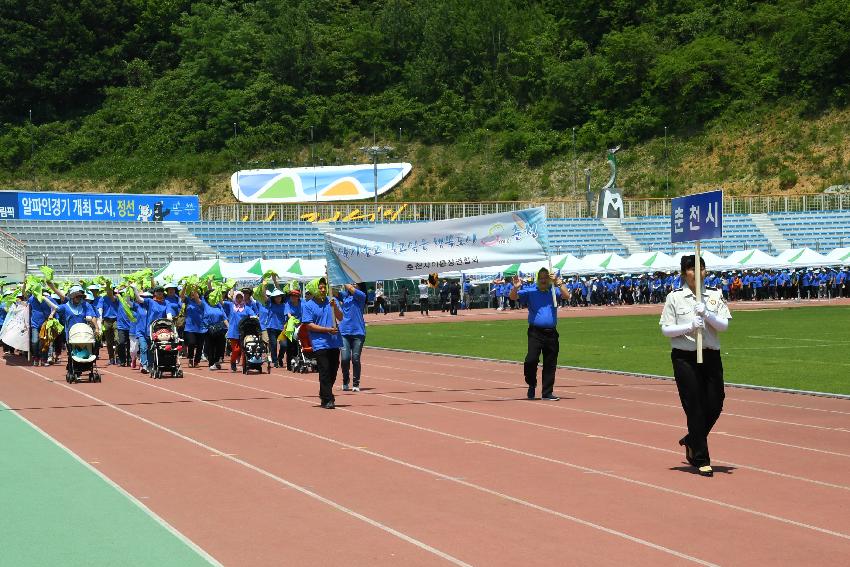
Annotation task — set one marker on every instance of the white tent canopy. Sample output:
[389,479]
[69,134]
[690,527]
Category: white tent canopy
[748,260]
[802,257]
[840,256]
[288,269]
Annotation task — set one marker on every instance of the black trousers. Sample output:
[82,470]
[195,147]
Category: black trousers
[328,362]
[423,305]
[214,347]
[545,341]
[453,305]
[195,346]
[123,347]
[701,392]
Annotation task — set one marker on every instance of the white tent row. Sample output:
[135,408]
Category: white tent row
[567,264]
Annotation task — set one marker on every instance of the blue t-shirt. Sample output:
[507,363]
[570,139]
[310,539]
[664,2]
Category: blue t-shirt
[234,316]
[276,315]
[195,316]
[320,314]
[294,310]
[139,328]
[352,314]
[110,307]
[70,314]
[541,310]
[39,312]
[213,314]
[262,313]
[2,315]
[122,322]
[157,310]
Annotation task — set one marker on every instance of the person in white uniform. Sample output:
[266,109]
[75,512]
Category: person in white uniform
[700,385]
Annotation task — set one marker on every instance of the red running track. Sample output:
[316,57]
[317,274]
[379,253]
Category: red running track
[443,461]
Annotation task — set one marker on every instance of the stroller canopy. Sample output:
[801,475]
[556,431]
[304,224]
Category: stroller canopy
[81,334]
[249,326]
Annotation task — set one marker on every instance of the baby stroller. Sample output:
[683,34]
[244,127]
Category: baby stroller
[165,349]
[304,360]
[81,357]
[254,351]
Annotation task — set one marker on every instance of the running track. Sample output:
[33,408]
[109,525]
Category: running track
[442,461]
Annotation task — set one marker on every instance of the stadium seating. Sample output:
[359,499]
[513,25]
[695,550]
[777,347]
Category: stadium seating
[146,244]
[822,231]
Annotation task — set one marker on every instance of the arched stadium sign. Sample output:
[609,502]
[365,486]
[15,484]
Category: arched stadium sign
[310,184]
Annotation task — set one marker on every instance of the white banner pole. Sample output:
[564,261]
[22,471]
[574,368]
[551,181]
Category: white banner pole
[698,291]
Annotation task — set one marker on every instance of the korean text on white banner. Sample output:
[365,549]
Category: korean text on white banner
[15,330]
[406,250]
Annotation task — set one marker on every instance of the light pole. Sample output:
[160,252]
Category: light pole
[666,166]
[575,164]
[374,151]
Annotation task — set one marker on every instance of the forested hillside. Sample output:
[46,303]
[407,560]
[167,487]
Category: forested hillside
[484,97]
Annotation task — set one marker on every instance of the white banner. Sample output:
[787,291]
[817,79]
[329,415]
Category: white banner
[15,331]
[405,250]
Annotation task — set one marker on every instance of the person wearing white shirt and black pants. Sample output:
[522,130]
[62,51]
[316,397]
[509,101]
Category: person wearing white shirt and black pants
[423,297]
[700,385]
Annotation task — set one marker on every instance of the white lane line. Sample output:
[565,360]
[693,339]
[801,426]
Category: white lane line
[639,420]
[301,489]
[666,391]
[136,501]
[412,466]
[535,456]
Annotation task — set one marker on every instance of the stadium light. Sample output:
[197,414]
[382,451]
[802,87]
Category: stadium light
[374,151]
[575,164]
[666,166]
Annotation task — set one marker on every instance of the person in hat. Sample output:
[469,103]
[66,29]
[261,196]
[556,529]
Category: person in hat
[352,330]
[275,319]
[215,321]
[138,332]
[125,322]
[41,309]
[157,308]
[236,310]
[76,310]
[292,310]
[107,307]
[700,386]
[320,316]
[194,327]
[542,330]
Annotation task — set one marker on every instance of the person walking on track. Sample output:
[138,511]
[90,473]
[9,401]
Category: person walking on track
[700,385]
[542,329]
[319,317]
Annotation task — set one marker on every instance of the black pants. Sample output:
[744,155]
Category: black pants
[545,341]
[423,306]
[275,348]
[402,307]
[328,361]
[214,347]
[382,303]
[291,351]
[701,392]
[195,346]
[453,305]
[123,347]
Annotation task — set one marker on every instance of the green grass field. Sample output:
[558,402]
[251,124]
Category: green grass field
[805,348]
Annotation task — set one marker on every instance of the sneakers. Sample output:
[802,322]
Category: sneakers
[144,370]
[706,471]
[356,388]
[233,367]
[530,393]
[345,388]
[551,397]
[329,405]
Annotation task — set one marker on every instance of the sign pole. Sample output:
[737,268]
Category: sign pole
[698,291]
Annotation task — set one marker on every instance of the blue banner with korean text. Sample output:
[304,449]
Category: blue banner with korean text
[697,217]
[408,250]
[98,207]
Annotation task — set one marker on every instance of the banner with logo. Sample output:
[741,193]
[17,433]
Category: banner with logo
[98,207]
[390,251]
[15,330]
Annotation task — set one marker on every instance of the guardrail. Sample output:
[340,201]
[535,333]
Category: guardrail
[423,211]
[13,247]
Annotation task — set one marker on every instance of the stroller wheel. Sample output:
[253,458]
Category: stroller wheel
[179,374]
[97,377]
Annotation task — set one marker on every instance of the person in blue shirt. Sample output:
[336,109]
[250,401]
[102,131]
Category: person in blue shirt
[352,331]
[236,310]
[195,329]
[107,307]
[215,321]
[157,308]
[542,331]
[320,316]
[124,326]
[77,310]
[293,309]
[275,315]
[138,332]
[41,309]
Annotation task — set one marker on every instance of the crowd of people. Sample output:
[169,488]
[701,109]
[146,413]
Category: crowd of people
[744,285]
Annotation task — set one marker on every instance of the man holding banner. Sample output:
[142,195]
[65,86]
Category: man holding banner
[542,332]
